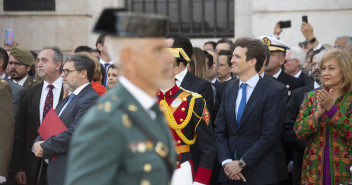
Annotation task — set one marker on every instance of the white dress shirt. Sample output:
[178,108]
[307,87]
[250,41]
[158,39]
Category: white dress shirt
[21,82]
[76,92]
[316,85]
[251,83]
[56,95]
[142,97]
[277,74]
[180,77]
[299,73]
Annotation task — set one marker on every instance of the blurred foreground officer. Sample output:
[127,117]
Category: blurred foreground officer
[124,139]
[6,128]
[187,115]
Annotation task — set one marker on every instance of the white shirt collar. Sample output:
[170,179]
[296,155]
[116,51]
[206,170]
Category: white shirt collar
[277,74]
[181,76]
[214,80]
[21,82]
[228,79]
[316,85]
[142,97]
[79,89]
[262,75]
[252,82]
[3,76]
[57,84]
[104,62]
[299,73]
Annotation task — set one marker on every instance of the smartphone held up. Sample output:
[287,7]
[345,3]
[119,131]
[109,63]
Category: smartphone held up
[285,24]
[9,36]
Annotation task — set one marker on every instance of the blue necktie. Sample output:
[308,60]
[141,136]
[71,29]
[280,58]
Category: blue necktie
[106,65]
[242,102]
[71,97]
[241,108]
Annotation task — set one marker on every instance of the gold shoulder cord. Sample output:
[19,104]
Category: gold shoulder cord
[172,122]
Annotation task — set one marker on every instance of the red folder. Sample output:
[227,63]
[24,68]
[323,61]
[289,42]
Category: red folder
[51,126]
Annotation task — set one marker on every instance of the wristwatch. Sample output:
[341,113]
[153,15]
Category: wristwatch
[312,40]
[241,164]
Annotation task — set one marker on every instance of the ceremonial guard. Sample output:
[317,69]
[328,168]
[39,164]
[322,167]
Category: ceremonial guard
[187,115]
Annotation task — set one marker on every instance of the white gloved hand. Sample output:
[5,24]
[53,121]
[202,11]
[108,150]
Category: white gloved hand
[2,179]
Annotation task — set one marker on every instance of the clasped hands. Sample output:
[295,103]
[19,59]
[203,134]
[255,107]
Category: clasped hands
[233,171]
[37,149]
[325,101]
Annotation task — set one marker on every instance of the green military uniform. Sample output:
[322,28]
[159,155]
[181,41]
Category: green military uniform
[6,127]
[30,82]
[109,148]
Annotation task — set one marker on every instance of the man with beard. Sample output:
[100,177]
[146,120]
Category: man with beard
[77,74]
[20,63]
[293,107]
[36,102]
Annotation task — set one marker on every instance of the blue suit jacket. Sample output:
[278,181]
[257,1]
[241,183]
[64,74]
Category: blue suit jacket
[256,138]
[58,145]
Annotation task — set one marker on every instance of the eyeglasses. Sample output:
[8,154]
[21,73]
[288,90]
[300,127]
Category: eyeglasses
[67,72]
[15,64]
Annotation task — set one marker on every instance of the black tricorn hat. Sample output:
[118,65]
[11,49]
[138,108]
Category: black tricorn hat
[119,23]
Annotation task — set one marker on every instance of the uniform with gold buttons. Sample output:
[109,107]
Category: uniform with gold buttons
[124,139]
[189,120]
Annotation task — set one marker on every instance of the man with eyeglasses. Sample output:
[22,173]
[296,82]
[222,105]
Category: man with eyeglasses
[77,74]
[20,63]
[36,103]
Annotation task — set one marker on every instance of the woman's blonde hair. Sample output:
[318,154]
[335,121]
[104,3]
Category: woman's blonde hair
[97,71]
[344,60]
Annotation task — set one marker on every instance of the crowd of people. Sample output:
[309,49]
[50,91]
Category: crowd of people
[146,108]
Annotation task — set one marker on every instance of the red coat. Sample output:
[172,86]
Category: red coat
[190,129]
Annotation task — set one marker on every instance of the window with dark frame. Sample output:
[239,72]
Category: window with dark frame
[192,18]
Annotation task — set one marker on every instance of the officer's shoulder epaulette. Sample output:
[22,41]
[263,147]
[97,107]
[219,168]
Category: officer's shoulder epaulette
[108,102]
[196,95]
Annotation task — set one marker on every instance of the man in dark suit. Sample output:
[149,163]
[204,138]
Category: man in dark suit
[249,121]
[77,74]
[295,58]
[32,111]
[15,88]
[293,107]
[277,59]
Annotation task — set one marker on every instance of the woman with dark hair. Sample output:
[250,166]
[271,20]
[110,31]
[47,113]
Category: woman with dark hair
[113,76]
[325,120]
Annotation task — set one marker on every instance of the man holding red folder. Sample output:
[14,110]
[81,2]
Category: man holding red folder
[77,73]
[35,104]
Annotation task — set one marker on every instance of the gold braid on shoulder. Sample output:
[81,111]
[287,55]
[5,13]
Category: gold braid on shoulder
[173,124]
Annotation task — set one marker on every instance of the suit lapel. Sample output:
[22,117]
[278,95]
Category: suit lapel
[252,101]
[36,99]
[186,82]
[233,91]
[75,100]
